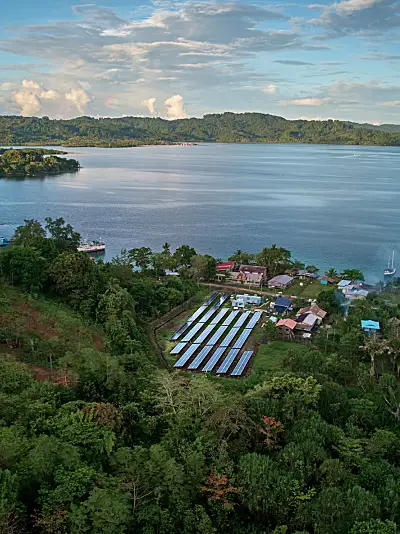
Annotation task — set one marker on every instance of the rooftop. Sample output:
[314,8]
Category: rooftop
[289,323]
[253,269]
[281,279]
[283,301]
[370,325]
[226,266]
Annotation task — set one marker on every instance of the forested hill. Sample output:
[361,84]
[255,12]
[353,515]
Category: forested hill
[226,127]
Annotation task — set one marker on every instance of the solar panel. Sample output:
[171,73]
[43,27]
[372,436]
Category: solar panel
[254,320]
[240,366]
[242,319]
[197,313]
[228,361]
[230,318]
[185,357]
[178,348]
[217,335]
[192,332]
[229,338]
[209,314]
[200,357]
[224,298]
[242,339]
[220,315]
[204,335]
[212,362]
[180,331]
[213,297]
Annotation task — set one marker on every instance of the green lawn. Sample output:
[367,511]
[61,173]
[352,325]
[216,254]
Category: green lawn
[269,357]
[309,289]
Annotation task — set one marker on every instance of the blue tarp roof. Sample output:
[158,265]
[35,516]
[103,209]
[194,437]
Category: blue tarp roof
[374,325]
[283,301]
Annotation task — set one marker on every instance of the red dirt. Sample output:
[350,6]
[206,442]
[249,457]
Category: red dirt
[34,323]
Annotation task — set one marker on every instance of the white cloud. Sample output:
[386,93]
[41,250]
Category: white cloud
[305,102]
[352,6]
[392,103]
[79,98]
[29,102]
[271,89]
[149,103]
[49,95]
[175,107]
[30,84]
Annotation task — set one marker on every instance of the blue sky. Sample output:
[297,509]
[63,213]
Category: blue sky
[188,58]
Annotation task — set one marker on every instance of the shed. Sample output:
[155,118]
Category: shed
[282,304]
[370,327]
[281,281]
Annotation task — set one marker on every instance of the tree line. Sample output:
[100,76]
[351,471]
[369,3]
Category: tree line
[225,127]
[311,447]
[17,163]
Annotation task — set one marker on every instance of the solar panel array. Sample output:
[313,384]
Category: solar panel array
[210,299]
[229,338]
[206,332]
[242,338]
[200,357]
[244,360]
[220,315]
[180,331]
[209,314]
[217,335]
[242,319]
[190,335]
[178,348]
[212,362]
[254,320]
[227,362]
[230,318]
[185,357]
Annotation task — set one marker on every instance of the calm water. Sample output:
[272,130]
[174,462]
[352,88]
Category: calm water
[330,205]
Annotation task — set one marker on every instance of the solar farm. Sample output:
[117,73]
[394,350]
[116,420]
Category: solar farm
[213,339]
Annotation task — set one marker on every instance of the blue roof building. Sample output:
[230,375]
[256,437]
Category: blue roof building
[370,327]
[282,304]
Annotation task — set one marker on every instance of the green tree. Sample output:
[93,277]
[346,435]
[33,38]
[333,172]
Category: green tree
[352,274]
[27,233]
[23,266]
[141,257]
[64,235]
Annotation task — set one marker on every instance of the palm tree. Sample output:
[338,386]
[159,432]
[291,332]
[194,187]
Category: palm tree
[312,269]
[166,248]
[331,273]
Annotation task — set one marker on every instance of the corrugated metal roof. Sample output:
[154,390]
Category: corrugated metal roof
[287,322]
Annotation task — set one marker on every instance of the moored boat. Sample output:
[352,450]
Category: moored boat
[391,269]
[92,246]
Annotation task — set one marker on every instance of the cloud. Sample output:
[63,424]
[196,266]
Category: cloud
[271,89]
[352,6]
[49,95]
[292,62]
[392,103]
[30,84]
[305,102]
[175,107]
[149,103]
[29,103]
[79,98]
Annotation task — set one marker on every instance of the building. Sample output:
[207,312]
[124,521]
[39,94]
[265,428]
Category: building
[286,328]
[253,269]
[281,281]
[356,294]
[307,321]
[315,309]
[344,283]
[370,327]
[249,299]
[325,280]
[248,277]
[282,305]
[227,266]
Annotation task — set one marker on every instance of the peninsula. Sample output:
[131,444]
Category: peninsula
[216,128]
[17,163]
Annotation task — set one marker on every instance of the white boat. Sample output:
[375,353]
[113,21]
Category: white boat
[92,246]
[390,268]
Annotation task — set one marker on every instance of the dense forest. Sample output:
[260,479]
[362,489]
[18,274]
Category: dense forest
[17,163]
[113,443]
[226,127]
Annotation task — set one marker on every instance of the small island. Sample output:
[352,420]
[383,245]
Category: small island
[29,163]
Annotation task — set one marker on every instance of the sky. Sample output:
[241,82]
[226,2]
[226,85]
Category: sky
[178,59]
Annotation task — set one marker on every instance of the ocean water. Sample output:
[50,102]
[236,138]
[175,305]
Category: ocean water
[333,206]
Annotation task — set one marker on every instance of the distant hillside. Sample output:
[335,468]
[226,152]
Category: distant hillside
[225,127]
[389,128]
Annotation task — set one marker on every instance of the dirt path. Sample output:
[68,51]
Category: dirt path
[240,289]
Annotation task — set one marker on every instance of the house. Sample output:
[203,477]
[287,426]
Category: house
[302,274]
[370,327]
[307,321]
[286,328]
[315,309]
[344,283]
[249,299]
[282,305]
[253,269]
[254,275]
[281,281]
[356,294]
[325,280]
[227,266]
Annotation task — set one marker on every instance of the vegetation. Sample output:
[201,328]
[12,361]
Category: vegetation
[33,162]
[109,443]
[225,127]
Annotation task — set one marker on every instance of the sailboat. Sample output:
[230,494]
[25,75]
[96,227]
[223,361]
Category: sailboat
[390,268]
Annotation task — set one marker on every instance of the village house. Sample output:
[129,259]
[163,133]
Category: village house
[370,327]
[281,281]
[249,275]
[223,269]
[282,305]
[243,300]
[315,309]
[286,328]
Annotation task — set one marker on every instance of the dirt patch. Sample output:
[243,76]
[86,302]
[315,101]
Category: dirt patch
[34,322]
[45,374]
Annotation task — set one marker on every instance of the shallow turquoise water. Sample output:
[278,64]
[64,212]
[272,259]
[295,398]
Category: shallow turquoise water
[331,205]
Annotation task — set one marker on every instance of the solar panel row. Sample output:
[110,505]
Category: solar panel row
[197,313]
[200,357]
[227,362]
[185,357]
[209,300]
[242,319]
[212,362]
[217,335]
[206,332]
[219,316]
[230,318]
[242,338]
[254,320]
[180,331]
[229,338]
[193,332]
[240,366]
[178,348]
